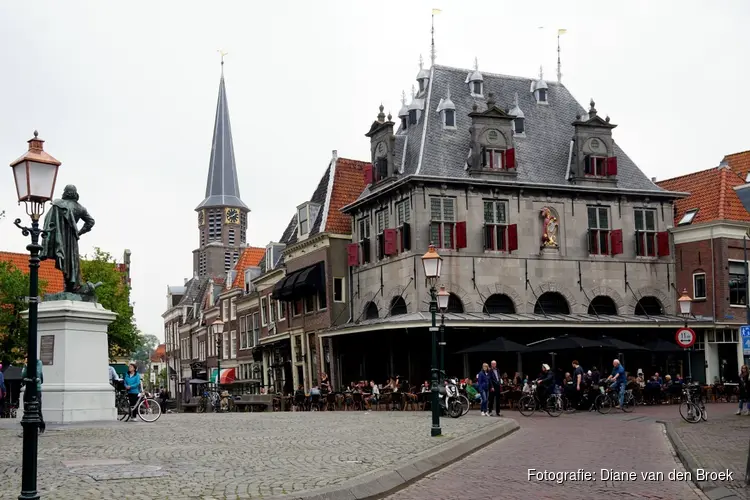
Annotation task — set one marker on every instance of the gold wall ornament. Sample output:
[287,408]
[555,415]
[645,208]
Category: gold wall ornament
[549,228]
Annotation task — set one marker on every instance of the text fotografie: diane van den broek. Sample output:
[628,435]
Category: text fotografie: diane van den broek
[581,475]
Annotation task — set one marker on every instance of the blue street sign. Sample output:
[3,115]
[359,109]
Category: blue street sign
[745,332]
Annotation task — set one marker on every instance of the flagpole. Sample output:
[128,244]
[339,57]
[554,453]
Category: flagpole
[432,33]
[559,72]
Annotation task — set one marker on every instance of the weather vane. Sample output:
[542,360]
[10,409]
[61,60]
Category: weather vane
[222,53]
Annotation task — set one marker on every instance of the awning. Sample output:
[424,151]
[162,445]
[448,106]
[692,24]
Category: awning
[121,369]
[228,375]
[303,282]
[12,373]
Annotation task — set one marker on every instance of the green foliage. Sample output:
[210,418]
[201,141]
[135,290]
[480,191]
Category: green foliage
[14,287]
[145,348]
[114,295]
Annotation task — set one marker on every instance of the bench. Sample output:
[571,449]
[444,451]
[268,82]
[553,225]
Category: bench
[193,405]
[254,402]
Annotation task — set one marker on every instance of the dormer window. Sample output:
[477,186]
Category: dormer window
[596,166]
[475,79]
[541,95]
[476,88]
[688,217]
[404,123]
[380,169]
[248,279]
[413,117]
[306,214]
[422,85]
[493,158]
[518,126]
[449,118]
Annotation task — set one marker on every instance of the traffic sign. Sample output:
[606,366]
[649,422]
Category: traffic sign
[745,332]
[685,337]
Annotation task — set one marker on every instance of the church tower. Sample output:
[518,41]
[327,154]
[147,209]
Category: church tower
[222,215]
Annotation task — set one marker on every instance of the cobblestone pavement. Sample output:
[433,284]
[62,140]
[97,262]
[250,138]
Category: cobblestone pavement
[630,443]
[220,456]
[719,444]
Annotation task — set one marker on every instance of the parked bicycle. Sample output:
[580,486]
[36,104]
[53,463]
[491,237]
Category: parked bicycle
[146,407]
[693,408]
[530,403]
[611,398]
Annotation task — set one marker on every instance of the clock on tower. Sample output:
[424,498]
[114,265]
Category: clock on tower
[232,216]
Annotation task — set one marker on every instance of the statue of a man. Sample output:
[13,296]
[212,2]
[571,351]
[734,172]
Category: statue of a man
[549,228]
[61,242]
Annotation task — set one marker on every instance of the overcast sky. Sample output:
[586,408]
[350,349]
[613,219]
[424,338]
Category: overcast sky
[125,93]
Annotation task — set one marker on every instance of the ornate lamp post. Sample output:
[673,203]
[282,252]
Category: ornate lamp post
[686,303]
[433,263]
[35,174]
[442,299]
[218,326]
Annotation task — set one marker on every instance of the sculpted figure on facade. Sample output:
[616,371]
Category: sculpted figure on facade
[549,228]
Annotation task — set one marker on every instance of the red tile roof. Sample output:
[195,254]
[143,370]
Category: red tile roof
[711,192]
[47,272]
[348,184]
[159,354]
[251,257]
[739,163]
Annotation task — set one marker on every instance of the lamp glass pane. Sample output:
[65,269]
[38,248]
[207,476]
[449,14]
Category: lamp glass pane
[42,180]
[685,306]
[431,267]
[439,267]
[443,300]
[19,173]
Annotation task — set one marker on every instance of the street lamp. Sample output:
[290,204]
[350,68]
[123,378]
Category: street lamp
[218,327]
[35,174]
[686,303]
[432,263]
[442,299]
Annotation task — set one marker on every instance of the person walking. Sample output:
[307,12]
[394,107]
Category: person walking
[744,391]
[39,382]
[496,383]
[133,386]
[578,382]
[483,381]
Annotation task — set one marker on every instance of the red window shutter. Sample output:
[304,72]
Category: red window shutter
[615,243]
[512,237]
[510,158]
[662,243]
[461,234]
[352,251]
[612,166]
[368,174]
[390,241]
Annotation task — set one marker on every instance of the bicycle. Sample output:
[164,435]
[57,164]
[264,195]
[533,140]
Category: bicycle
[529,403]
[604,402]
[693,409]
[147,408]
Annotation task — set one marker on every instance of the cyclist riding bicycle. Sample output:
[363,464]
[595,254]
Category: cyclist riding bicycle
[545,383]
[618,380]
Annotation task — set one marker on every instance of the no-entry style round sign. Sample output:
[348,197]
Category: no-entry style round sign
[685,337]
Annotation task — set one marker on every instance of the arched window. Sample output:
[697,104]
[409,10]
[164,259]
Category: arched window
[454,304]
[649,306]
[602,304]
[398,306]
[371,311]
[551,303]
[499,303]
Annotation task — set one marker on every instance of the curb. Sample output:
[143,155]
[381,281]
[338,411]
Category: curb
[708,488]
[378,483]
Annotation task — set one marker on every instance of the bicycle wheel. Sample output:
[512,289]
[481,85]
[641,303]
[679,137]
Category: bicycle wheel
[527,405]
[123,409]
[690,412]
[603,404]
[455,409]
[149,410]
[465,405]
[628,402]
[554,406]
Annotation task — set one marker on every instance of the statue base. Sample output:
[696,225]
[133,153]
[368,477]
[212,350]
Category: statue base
[75,361]
[549,250]
[84,293]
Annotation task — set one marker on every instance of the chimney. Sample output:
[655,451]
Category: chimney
[335,154]
[185,281]
[653,179]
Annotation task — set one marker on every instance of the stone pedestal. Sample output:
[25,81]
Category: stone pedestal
[73,348]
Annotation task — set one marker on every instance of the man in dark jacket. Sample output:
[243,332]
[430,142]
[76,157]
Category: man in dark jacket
[496,384]
[545,384]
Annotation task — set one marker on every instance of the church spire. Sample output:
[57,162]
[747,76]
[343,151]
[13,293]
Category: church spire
[222,186]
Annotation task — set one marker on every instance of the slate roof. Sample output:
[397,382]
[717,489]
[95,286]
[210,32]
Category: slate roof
[195,288]
[250,257]
[541,156]
[53,278]
[222,186]
[711,192]
[348,183]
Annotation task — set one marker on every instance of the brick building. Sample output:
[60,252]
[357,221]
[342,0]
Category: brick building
[709,234]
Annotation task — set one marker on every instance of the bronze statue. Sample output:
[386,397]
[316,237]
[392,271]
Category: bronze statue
[61,240]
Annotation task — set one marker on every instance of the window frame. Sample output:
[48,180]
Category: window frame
[601,235]
[306,209]
[263,319]
[363,233]
[645,236]
[311,308]
[403,216]
[321,300]
[233,308]
[684,220]
[446,114]
[541,95]
[742,288]
[497,227]
[705,287]
[297,308]
[490,157]
[281,313]
[596,166]
[242,328]
[225,345]
[382,222]
[342,299]
[233,344]
[256,329]
[271,311]
[476,88]
[225,310]
[443,223]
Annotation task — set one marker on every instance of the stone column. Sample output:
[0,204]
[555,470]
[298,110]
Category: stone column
[75,358]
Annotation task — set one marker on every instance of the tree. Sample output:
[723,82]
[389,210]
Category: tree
[14,288]
[114,294]
[146,345]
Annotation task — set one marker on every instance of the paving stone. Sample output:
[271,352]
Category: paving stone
[221,456]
